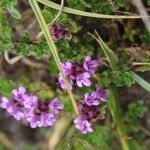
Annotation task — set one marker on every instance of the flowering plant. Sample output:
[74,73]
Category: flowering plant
[58,75]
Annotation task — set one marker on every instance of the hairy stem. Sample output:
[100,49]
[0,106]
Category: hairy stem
[42,23]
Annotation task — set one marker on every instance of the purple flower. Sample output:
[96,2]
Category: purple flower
[47,119]
[59,32]
[26,106]
[91,99]
[55,105]
[83,125]
[78,73]
[62,83]
[90,65]
[34,121]
[30,101]
[89,112]
[13,107]
[96,97]
[15,112]
[6,103]
[102,94]
[83,79]
[43,114]
[67,68]
[19,93]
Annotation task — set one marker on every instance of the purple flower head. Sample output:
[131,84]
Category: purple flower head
[78,73]
[43,114]
[90,65]
[83,125]
[34,116]
[59,32]
[89,112]
[83,79]
[102,94]
[55,105]
[67,68]
[91,99]
[29,107]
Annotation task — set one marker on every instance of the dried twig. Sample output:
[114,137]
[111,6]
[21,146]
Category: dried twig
[31,63]
[12,60]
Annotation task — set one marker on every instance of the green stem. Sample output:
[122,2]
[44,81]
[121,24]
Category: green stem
[115,109]
[87,14]
[123,141]
[42,23]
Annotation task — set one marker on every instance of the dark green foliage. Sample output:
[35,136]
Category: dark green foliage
[98,6]
[23,49]
[75,49]
[105,79]
[136,110]
[145,37]
[52,68]
[40,49]
[123,77]
[5,34]
[99,138]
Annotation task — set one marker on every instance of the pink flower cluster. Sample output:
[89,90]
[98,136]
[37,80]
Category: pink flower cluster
[78,73]
[90,109]
[26,106]
[59,32]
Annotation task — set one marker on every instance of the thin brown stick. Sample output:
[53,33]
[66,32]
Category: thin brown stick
[12,60]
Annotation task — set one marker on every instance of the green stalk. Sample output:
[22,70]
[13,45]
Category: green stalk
[115,109]
[36,9]
[87,14]
[123,141]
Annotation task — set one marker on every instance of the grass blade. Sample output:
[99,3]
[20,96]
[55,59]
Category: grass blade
[109,54]
[141,81]
[86,14]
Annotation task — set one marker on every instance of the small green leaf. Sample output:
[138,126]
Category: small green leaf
[23,49]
